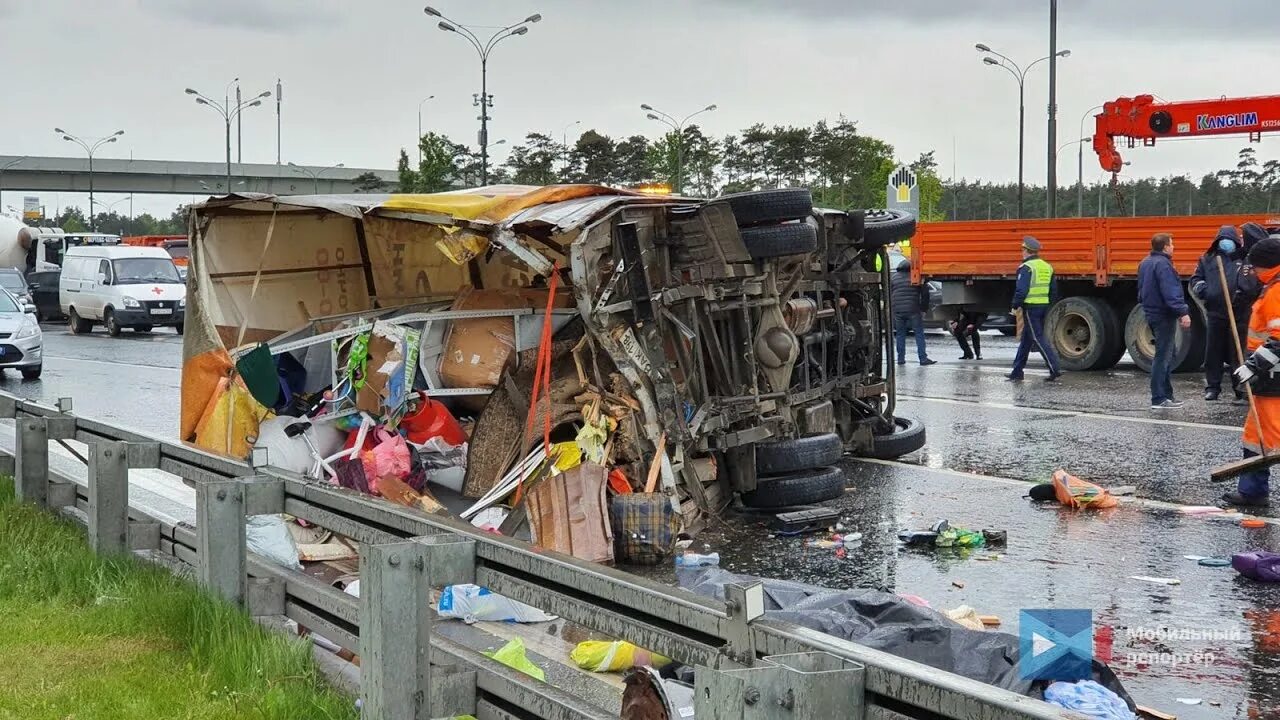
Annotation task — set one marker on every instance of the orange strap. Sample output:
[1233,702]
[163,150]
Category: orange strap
[542,375]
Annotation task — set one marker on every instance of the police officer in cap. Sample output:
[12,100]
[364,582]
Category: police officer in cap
[1035,290]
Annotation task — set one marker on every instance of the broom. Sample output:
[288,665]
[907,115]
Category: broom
[1232,469]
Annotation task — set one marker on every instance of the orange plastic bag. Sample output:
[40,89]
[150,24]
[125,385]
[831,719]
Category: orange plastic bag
[1073,492]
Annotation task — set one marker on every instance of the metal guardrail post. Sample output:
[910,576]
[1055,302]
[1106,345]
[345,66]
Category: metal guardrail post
[31,466]
[109,496]
[744,603]
[220,539]
[804,686]
[395,628]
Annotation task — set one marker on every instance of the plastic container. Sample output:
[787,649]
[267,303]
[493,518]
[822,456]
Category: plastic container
[698,560]
[432,419]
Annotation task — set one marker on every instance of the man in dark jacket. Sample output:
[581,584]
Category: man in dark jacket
[1035,290]
[1242,289]
[1160,293]
[908,303]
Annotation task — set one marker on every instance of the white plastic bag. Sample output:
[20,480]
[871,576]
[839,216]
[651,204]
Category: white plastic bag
[472,603]
[267,536]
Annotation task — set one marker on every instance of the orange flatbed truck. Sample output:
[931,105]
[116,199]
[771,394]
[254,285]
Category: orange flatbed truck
[1095,319]
[175,245]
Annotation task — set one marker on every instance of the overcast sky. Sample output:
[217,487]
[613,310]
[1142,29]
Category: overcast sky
[353,73]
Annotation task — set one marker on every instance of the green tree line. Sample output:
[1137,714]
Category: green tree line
[73,219]
[845,169]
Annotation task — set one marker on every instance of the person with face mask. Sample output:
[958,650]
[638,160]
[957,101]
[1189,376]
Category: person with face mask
[1240,292]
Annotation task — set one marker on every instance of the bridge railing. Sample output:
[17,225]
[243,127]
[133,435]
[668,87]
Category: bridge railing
[745,665]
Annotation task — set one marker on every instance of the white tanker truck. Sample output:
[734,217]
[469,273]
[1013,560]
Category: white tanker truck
[28,248]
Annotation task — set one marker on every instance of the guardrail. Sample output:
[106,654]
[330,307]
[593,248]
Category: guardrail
[746,666]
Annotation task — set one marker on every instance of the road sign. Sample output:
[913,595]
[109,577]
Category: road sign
[31,208]
[903,193]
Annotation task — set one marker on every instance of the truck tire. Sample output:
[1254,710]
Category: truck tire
[784,456]
[1084,331]
[1188,347]
[771,241]
[886,227]
[802,488]
[907,437]
[770,206]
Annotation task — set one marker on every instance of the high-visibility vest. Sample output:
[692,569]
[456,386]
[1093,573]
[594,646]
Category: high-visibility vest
[1041,277]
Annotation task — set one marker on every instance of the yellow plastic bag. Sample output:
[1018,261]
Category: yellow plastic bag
[591,439]
[567,454]
[513,656]
[231,419]
[614,656]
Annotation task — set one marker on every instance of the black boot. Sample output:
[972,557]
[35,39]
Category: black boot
[1211,394]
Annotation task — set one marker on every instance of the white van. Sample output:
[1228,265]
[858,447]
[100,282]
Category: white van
[121,286]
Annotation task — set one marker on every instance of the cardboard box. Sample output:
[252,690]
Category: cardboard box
[477,351]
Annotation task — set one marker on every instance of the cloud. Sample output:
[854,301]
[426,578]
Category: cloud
[273,16]
[1233,18]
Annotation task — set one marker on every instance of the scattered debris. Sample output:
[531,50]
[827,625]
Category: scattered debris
[689,559]
[1121,490]
[614,656]
[472,603]
[1259,565]
[1089,698]
[1193,558]
[1200,510]
[1214,562]
[513,656]
[990,620]
[1157,580]
[958,584]
[1156,714]
[965,616]
[804,520]
[1253,523]
[1189,701]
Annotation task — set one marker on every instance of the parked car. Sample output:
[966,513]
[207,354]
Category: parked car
[42,286]
[121,286]
[21,341]
[14,282]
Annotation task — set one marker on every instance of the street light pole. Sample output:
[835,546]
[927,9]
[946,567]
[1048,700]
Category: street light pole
[90,149]
[315,176]
[1051,183]
[228,113]
[279,100]
[239,131]
[418,142]
[677,126]
[564,141]
[1080,164]
[484,101]
[1020,76]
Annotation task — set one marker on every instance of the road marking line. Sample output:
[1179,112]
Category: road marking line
[1124,499]
[1073,413]
[107,362]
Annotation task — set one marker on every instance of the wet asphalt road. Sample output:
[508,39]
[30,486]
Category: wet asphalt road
[986,439]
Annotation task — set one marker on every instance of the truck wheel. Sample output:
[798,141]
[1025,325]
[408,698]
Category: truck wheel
[1084,331]
[907,437]
[802,488]
[770,206]
[771,241]
[784,456]
[79,326]
[1188,346]
[113,325]
[886,227]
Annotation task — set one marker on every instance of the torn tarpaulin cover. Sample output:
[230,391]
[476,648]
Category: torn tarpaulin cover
[883,621]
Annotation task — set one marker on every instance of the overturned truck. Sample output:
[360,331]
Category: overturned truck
[738,346]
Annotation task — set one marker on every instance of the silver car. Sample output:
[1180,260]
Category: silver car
[21,342]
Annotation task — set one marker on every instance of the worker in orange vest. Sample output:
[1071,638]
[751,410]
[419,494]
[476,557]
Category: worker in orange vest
[1262,429]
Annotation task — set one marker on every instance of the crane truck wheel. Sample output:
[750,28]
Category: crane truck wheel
[1085,332]
[770,206]
[1188,345]
[886,227]
[907,437]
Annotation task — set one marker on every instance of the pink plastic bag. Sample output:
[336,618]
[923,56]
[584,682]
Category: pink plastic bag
[389,457]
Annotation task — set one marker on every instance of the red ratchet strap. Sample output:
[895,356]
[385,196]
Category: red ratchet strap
[542,375]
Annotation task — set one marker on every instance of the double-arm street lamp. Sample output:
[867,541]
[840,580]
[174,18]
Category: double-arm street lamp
[1020,75]
[484,100]
[90,146]
[314,174]
[677,126]
[228,112]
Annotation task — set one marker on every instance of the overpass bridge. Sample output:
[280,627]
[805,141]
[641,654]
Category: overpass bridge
[176,177]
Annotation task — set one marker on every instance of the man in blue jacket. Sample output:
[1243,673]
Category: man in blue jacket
[1036,289]
[1160,293]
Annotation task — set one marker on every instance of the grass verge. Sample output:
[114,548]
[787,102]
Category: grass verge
[84,637]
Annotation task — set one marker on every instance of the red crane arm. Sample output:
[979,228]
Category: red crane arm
[1142,118]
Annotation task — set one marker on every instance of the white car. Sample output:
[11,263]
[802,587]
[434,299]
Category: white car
[21,342]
